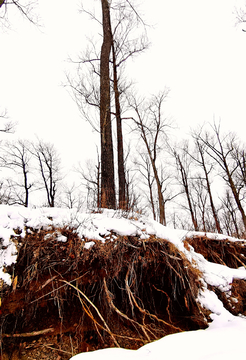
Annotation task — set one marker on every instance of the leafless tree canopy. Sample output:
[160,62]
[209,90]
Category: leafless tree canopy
[25,8]
[241,17]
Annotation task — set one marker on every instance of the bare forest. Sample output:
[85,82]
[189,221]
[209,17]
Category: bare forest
[195,184]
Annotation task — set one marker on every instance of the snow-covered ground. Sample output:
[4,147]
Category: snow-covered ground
[226,334]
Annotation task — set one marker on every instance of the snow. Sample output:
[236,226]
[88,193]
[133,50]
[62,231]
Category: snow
[223,339]
[215,343]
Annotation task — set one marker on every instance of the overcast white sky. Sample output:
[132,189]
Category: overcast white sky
[197,51]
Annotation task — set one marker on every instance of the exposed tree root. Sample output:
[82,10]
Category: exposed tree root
[97,311]
[30,334]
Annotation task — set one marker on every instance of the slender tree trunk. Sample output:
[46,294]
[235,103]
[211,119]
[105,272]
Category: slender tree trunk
[232,183]
[107,156]
[162,217]
[216,219]
[237,199]
[187,192]
[26,186]
[234,220]
[151,196]
[120,151]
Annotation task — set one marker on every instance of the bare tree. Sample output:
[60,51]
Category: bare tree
[145,169]
[200,202]
[122,19]
[17,157]
[89,93]
[239,157]
[49,166]
[183,166]
[152,127]
[8,126]
[107,157]
[9,193]
[200,159]
[221,149]
[90,179]
[71,197]
[123,48]
[229,215]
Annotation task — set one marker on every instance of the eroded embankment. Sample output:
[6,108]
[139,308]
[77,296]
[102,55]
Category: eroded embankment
[125,292]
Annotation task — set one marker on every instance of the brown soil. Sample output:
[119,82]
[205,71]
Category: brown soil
[225,252]
[66,299]
[231,254]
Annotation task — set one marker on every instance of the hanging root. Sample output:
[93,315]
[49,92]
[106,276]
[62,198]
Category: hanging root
[133,322]
[144,311]
[97,311]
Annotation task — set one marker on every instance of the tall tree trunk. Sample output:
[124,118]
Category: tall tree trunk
[216,219]
[187,192]
[120,151]
[26,186]
[151,195]
[107,156]
[162,215]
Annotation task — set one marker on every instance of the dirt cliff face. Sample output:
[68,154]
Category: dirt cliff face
[66,298]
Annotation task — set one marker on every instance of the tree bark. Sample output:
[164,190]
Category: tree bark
[107,156]
[120,150]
